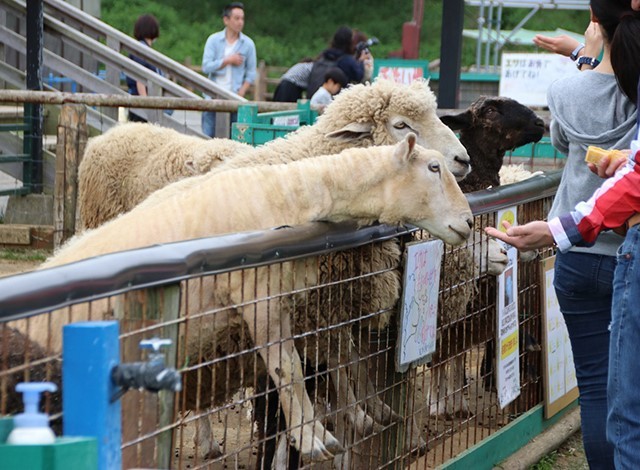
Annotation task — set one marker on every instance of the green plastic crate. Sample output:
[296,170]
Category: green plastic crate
[255,128]
[541,149]
[77,453]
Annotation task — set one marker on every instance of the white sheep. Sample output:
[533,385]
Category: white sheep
[352,185]
[121,167]
[129,162]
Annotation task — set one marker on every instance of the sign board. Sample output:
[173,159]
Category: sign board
[508,335]
[560,384]
[419,312]
[544,4]
[400,70]
[526,77]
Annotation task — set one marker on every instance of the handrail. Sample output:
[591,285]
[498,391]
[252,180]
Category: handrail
[115,59]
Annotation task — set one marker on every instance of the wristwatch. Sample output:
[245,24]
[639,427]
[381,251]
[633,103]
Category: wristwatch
[574,55]
[592,61]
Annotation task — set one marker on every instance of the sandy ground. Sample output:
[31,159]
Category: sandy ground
[10,267]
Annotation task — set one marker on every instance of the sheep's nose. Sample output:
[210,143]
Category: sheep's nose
[539,122]
[470,222]
[463,161]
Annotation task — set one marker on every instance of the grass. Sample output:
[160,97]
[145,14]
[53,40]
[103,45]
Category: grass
[23,255]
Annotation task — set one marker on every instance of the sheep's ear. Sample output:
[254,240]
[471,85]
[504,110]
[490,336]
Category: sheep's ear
[190,165]
[351,132]
[458,121]
[403,149]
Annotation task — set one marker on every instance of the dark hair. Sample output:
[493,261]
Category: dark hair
[226,11]
[146,27]
[342,40]
[358,36]
[337,75]
[621,26]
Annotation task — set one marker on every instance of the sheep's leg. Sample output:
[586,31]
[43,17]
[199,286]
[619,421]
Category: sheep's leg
[460,403]
[308,436]
[379,410]
[437,392]
[204,440]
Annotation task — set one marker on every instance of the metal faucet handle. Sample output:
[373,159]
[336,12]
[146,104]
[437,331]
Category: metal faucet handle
[154,343]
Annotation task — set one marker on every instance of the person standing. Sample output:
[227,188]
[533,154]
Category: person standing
[229,59]
[583,278]
[615,205]
[146,30]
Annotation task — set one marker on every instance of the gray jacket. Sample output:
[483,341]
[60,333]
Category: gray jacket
[587,108]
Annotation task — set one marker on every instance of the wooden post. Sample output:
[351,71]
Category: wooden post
[72,139]
[261,82]
[142,413]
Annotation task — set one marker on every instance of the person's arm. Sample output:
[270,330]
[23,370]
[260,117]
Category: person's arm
[142,89]
[566,45]
[610,207]
[211,62]
[250,68]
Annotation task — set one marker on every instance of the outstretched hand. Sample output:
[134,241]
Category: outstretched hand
[563,44]
[526,237]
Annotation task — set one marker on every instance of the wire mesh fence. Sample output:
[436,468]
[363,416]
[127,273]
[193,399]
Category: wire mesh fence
[289,358]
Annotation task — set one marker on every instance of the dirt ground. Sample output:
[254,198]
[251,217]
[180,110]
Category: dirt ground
[569,456]
[10,267]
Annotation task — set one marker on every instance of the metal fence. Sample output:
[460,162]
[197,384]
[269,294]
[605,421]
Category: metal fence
[340,287]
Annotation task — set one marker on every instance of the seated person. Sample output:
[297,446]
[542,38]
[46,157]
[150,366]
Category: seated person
[334,80]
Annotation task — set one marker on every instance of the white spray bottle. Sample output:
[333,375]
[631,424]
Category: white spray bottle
[32,427]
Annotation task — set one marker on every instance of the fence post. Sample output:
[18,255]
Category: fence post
[72,139]
[144,413]
[90,351]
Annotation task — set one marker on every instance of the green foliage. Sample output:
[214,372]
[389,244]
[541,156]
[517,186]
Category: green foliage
[284,31]
[24,255]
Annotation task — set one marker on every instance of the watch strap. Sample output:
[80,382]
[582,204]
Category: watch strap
[592,61]
[576,51]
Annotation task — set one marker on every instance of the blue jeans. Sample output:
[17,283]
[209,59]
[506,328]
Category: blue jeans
[208,121]
[623,424]
[584,287]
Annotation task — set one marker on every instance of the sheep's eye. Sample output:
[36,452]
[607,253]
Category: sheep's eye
[400,125]
[490,111]
[434,167]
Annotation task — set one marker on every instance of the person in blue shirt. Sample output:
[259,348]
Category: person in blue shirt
[229,59]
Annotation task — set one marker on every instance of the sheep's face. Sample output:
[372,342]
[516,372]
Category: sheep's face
[499,123]
[490,257]
[385,112]
[425,193]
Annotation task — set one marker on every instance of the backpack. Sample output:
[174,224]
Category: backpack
[318,71]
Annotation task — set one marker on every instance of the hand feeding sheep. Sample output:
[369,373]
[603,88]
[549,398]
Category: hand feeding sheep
[126,164]
[333,188]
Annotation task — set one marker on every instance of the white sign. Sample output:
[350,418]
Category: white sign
[419,313]
[561,372]
[508,350]
[526,77]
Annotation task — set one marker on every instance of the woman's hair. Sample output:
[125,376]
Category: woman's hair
[342,40]
[146,27]
[621,26]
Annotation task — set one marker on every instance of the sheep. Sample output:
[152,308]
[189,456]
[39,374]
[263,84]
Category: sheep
[123,166]
[350,185]
[488,128]
[130,161]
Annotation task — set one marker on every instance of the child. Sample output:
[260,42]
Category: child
[334,80]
